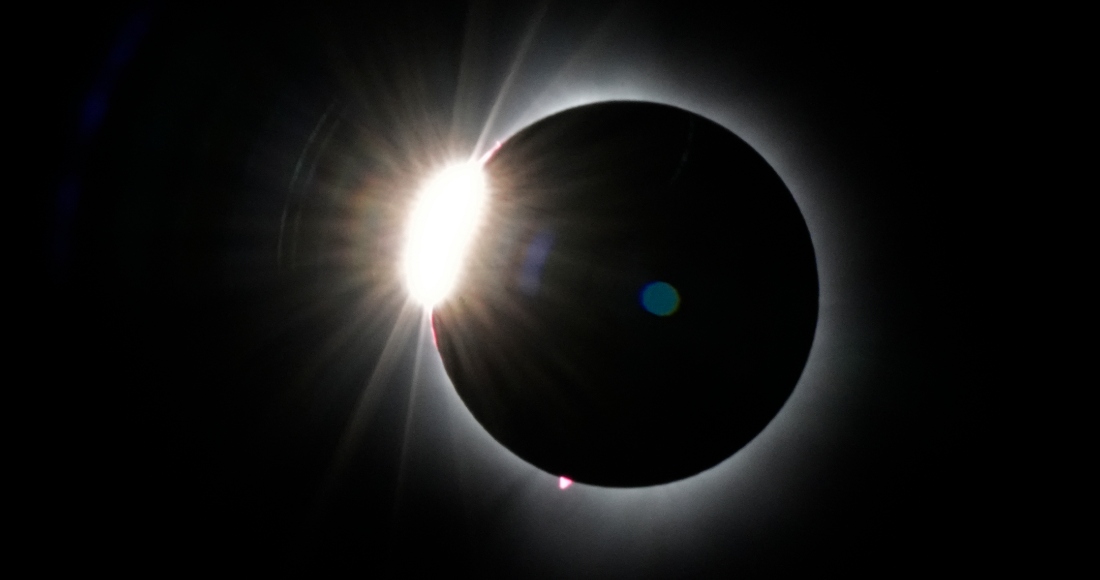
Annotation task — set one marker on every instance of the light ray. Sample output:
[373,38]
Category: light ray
[513,71]
[368,401]
[406,437]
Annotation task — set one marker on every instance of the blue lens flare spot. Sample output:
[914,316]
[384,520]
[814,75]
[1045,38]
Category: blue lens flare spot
[660,298]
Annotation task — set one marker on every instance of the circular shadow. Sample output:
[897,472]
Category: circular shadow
[548,337]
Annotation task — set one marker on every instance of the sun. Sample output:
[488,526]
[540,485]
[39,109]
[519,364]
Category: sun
[445,216]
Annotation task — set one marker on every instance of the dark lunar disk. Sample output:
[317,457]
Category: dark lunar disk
[640,300]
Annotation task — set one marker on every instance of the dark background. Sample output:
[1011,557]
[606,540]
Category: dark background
[195,384]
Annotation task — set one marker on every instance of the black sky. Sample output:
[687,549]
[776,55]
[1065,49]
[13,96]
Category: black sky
[202,376]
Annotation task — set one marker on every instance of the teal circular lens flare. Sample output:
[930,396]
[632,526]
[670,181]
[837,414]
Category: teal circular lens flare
[660,298]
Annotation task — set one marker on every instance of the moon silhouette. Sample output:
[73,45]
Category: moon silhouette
[640,300]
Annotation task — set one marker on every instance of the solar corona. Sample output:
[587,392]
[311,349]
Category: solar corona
[633,303]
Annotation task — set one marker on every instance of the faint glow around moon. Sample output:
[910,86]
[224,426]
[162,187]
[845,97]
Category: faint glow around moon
[564,482]
[442,223]
[660,298]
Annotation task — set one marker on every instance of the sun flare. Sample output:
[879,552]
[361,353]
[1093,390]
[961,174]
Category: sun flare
[443,221]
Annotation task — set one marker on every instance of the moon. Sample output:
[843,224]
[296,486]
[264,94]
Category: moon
[640,301]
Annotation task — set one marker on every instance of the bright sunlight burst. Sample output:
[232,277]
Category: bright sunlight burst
[440,229]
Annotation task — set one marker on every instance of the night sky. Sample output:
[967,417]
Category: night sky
[234,376]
